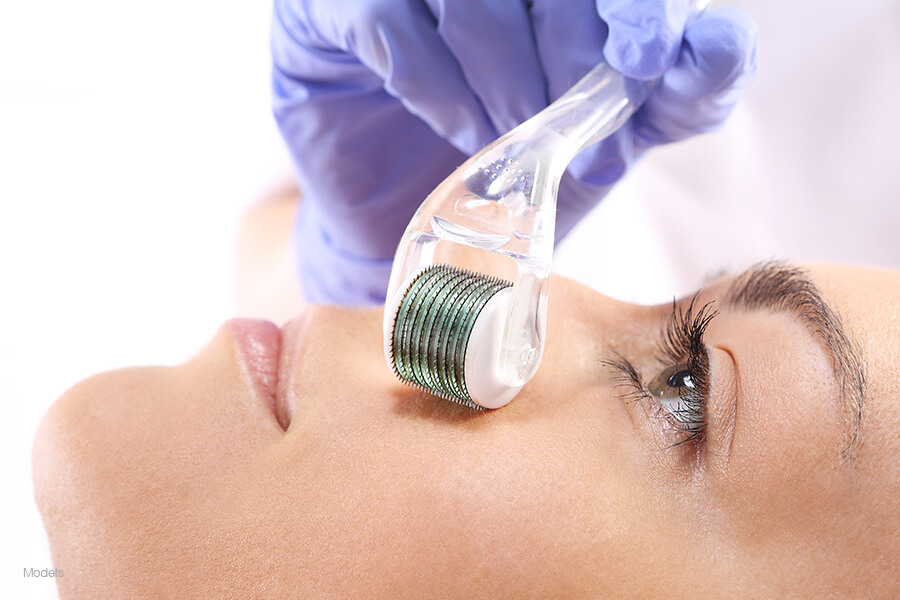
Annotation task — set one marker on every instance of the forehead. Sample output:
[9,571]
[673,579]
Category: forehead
[868,300]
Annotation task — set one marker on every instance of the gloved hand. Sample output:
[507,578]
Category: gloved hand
[379,100]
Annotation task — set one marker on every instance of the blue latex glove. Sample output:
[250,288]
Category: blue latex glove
[379,100]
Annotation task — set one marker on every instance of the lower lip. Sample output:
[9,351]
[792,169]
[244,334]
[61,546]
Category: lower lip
[258,344]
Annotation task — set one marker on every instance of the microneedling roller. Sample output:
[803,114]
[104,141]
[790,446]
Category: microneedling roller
[469,336]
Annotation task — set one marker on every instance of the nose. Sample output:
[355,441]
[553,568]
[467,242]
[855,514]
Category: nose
[594,322]
[584,328]
[333,357]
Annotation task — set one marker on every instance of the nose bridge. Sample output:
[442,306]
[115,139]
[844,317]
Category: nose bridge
[336,347]
[586,327]
[573,305]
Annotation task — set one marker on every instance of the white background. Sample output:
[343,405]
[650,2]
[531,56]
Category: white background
[133,137]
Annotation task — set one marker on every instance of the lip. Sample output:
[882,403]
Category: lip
[259,347]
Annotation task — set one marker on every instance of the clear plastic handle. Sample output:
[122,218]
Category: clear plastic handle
[503,201]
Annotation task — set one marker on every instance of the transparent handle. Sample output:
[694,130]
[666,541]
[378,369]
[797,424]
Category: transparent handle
[593,109]
[601,102]
[522,170]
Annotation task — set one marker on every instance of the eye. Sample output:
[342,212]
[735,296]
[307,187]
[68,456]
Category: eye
[670,382]
[680,390]
[678,395]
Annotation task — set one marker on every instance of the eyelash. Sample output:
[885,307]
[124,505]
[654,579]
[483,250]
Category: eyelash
[680,342]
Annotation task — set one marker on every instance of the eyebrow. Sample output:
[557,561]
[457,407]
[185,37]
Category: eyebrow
[782,287]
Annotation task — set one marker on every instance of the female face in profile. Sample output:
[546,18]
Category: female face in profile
[741,443]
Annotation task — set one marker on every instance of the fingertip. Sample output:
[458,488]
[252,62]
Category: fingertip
[717,60]
[722,48]
[605,163]
[644,37]
[570,37]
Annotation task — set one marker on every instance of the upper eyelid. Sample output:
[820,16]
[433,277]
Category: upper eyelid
[779,286]
[678,323]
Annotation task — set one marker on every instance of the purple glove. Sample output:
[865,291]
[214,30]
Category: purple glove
[379,100]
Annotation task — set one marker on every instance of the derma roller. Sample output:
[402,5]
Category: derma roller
[475,337]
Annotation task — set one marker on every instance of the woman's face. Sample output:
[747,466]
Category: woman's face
[294,464]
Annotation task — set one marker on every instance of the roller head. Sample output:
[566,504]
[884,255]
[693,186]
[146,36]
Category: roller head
[447,332]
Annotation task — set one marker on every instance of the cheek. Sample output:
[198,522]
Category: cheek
[519,497]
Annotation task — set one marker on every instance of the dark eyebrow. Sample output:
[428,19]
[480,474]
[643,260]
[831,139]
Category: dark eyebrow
[779,286]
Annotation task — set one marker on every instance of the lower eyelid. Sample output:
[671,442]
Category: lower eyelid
[681,413]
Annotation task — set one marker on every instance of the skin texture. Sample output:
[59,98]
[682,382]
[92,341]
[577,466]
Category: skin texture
[182,482]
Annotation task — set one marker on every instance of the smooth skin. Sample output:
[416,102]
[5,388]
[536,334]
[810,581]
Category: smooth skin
[183,482]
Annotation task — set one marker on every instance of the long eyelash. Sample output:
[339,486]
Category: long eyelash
[626,377]
[681,340]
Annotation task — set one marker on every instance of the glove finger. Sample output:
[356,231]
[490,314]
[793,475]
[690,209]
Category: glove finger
[644,37]
[399,42]
[359,196]
[569,37]
[362,178]
[494,46]
[717,60]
